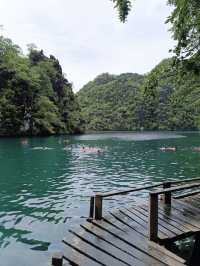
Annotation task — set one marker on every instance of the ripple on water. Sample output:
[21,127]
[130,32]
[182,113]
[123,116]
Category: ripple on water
[46,191]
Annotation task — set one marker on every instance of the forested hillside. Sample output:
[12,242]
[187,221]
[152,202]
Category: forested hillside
[35,96]
[110,102]
[159,100]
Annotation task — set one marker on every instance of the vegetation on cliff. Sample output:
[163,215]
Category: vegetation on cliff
[35,96]
[159,100]
[110,102]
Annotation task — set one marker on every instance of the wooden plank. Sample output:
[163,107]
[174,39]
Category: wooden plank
[68,262]
[182,214]
[110,239]
[109,248]
[140,243]
[193,202]
[163,231]
[136,227]
[166,221]
[187,194]
[135,189]
[193,210]
[166,251]
[187,209]
[124,192]
[127,248]
[138,238]
[181,223]
[74,255]
[97,254]
[164,225]
[174,189]
[188,180]
[110,236]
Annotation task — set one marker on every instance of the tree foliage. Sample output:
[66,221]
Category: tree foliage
[110,102]
[185,26]
[35,97]
[123,7]
[156,101]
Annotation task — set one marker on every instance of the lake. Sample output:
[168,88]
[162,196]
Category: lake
[44,191]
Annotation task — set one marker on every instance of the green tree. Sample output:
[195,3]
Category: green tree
[35,96]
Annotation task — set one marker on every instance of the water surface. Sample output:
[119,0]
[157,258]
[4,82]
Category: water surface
[44,191]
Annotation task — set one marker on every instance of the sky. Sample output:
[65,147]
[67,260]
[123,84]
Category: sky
[87,37]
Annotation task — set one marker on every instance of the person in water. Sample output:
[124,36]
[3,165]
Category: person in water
[91,149]
[168,149]
[196,149]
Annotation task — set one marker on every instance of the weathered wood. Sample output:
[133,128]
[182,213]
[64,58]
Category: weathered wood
[57,259]
[188,180]
[134,189]
[139,242]
[163,232]
[153,217]
[181,215]
[175,189]
[187,194]
[77,256]
[100,234]
[133,252]
[98,206]
[175,219]
[96,251]
[91,214]
[109,248]
[167,219]
[163,222]
[122,237]
[168,195]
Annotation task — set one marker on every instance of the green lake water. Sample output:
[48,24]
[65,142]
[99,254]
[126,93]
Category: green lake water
[45,191]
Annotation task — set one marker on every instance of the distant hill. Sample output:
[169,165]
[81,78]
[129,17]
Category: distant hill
[109,102]
[159,100]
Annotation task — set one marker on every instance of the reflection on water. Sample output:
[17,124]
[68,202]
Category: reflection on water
[45,182]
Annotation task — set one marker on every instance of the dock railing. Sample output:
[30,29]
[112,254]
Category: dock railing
[168,187]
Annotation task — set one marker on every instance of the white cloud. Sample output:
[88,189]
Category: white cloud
[87,37]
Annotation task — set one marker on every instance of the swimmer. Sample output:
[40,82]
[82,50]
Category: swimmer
[91,149]
[24,141]
[37,148]
[42,148]
[196,149]
[168,149]
[83,149]
[47,148]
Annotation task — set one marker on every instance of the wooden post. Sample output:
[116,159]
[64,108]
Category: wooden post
[167,195]
[57,259]
[91,215]
[98,207]
[153,217]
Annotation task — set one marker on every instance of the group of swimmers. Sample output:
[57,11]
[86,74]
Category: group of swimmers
[91,149]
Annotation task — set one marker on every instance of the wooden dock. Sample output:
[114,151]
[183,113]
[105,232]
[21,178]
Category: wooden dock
[139,234]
